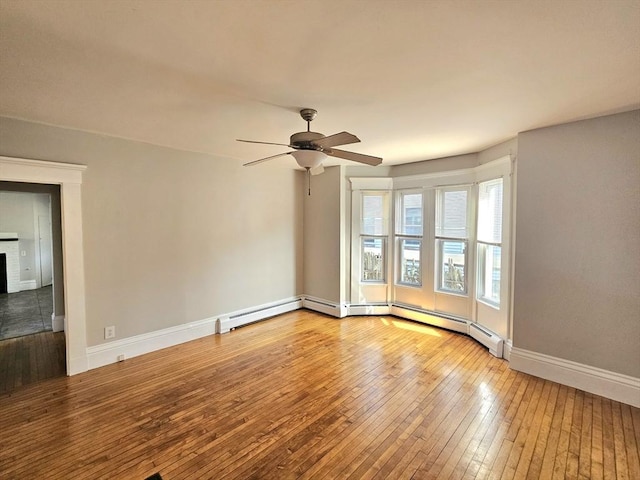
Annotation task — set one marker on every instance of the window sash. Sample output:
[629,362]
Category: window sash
[452,212]
[452,267]
[374,216]
[489,273]
[409,261]
[410,213]
[490,200]
[373,259]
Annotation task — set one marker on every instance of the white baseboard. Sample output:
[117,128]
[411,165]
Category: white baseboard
[368,309]
[112,352]
[243,317]
[327,307]
[57,322]
[618,387]
[27,285]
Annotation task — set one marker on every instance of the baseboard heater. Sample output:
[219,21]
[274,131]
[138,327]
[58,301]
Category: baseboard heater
[487,338]
[228,322]
[430,318]
[369,309]
[318,305]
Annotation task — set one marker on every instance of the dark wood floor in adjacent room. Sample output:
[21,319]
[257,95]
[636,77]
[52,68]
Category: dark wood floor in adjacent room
[31,359]
[307,396]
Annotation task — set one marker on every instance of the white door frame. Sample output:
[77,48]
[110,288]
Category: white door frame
[69,177]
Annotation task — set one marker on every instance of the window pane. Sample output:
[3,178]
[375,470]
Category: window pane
[489,259]
[373,259]
[490,211]
[452,270]
[410,215]
[373,207]
[410,272]
[451,219]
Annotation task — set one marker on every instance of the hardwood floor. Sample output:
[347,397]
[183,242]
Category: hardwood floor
[31,358]
[312,397]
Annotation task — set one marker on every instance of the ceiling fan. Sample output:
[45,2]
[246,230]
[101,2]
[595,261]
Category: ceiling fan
[312,148]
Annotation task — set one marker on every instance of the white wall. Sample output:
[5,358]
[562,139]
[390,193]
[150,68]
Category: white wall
[170,236]
[508,147]
[436,165]
[18,213]
[577,265]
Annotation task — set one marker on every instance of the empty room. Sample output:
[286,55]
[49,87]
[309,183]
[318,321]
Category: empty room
[319,239]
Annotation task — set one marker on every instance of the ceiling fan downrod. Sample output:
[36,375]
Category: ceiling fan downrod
[308,114]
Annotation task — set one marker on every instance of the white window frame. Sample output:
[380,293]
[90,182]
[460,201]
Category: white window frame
[367,292]
[481,252]
[440,239]
[401,236]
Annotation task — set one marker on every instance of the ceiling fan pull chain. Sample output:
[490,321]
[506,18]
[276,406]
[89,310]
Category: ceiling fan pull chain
[309,180]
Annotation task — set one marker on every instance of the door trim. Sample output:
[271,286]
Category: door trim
[69,177]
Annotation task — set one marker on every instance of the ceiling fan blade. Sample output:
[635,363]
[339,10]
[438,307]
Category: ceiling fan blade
[255,162]
[263,143]
[354,157]
[342,138]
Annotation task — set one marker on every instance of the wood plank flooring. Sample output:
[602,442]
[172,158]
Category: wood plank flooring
[306,396]
[30,359]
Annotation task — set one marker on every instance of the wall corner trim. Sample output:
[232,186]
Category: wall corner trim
[612,385]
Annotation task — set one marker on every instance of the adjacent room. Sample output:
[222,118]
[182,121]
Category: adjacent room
[338,239]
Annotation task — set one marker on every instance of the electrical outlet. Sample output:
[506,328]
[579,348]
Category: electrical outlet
[110,332]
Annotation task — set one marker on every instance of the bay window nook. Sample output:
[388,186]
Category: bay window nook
[435,248]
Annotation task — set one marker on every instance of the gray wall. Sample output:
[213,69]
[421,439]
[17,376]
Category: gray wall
[577,268]
[322,231]
[171,236]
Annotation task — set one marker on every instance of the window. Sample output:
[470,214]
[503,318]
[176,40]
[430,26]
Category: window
[373,237]
[452,239]
[373,259]
[489,241]
[409,237]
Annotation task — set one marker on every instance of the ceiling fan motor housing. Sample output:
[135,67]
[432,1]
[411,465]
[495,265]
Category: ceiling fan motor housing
[304,140]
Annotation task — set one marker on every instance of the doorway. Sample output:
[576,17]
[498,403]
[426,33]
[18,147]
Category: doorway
[32,345]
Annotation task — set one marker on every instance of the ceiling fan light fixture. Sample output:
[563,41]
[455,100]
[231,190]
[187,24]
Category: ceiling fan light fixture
[309,158]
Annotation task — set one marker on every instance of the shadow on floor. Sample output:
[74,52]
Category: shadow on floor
[26,313]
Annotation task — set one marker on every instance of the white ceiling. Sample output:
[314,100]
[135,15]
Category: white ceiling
[415,80]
